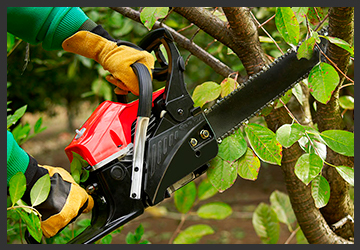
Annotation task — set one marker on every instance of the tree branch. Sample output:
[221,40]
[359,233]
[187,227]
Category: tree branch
[246,38]
[218,66]
[241,37]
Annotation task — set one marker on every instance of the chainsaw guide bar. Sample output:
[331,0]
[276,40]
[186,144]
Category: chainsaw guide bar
[261,89]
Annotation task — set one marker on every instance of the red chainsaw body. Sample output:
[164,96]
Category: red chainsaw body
[106,131]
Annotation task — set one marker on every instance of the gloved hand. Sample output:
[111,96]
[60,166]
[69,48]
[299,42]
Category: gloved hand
[116,59]
[66,200]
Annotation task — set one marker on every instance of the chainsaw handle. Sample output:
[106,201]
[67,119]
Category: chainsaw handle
[145,89]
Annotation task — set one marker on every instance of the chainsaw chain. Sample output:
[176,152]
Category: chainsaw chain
[221,101]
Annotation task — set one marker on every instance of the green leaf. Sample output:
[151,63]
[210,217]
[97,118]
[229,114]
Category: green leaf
[284,99]
[316,143]
[106,239]
[320,191]
[139,231]
[130,238]
[300,13]
[184,197]
[287,25]
[346,102]
[206,92]
[307,167]
[149,15]
[341,43]
[17,187]
[228,85]
[40,191]
[280,203]
[10,41]
[193,234]
[214,210]
[221,174]
[12,119]
[206,189]
[21,133]
[340,141]
[298,93]
[76,168]
[314,14]
[263,141]
[288,134]
[248,165]
[37,126]
[266,224]
[232,147]
[306,49]
[323,79]
[134,238]
[33,225]
[346,173]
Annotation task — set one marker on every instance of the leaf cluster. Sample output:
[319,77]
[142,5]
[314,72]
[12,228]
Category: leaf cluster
[267,218]
[187,198]
[27,213]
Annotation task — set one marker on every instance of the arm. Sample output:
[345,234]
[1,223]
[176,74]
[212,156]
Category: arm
[47,25]
[17,158]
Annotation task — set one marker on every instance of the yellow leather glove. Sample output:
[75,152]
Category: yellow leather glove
[66,199]
[65,202]
[115,59]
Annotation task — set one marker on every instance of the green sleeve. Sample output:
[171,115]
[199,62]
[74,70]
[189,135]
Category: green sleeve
[49,25]
[17,158]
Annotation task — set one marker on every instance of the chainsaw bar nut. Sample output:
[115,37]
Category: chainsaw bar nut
[193,142]
[204,134]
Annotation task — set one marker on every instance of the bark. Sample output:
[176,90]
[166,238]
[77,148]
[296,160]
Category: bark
[246,39]
[341,25]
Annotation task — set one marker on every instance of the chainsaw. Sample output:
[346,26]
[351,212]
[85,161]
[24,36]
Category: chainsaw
[139,153]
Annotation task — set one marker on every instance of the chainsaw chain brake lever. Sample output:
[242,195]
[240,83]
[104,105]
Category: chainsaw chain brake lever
[178,102]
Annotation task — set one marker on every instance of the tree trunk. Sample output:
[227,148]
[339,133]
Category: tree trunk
[341,25]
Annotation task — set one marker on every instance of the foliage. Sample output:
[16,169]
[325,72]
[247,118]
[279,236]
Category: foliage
[187,198]
[135,238]
[21,132]
[267,218]
[18,210]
